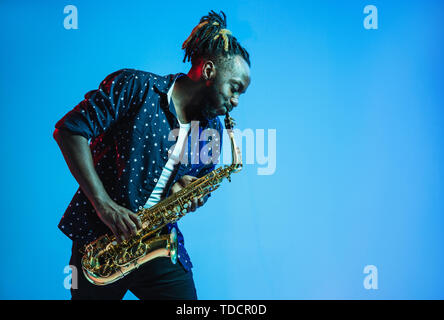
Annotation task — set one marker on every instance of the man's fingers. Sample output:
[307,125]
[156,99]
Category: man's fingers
[123,228]
[190,179]
[186,180]
[196,203]
[182,183]
[176,187]
[131,226]
[115,232]
[136,219]
[118,234]
[193,205]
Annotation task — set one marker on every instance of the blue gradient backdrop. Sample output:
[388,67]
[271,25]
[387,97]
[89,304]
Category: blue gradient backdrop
[360,131]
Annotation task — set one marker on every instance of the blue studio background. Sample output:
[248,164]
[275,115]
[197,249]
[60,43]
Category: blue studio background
[359,134]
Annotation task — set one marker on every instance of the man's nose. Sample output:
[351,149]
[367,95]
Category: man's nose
[234,101]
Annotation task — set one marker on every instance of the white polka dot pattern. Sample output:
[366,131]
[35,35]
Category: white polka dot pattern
[129,121]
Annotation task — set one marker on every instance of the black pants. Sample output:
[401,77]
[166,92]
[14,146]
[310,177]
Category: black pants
[158,279]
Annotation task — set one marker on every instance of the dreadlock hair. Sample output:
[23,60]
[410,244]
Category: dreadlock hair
[211,39]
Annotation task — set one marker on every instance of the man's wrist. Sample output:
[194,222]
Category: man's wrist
[100,200]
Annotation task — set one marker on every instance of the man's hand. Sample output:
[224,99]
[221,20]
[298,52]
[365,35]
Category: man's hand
[77,154]
[122,222]
[182,183]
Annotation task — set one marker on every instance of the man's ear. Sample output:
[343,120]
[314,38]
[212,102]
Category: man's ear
[209,71]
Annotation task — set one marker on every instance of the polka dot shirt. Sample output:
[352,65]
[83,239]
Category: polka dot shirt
[128,122]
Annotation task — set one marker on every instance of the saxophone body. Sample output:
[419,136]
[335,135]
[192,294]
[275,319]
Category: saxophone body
[105,260]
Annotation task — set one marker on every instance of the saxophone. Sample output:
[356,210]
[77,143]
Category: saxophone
[105,260]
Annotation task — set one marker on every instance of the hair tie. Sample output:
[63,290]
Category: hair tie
[224,33]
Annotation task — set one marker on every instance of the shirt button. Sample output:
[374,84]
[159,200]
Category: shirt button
[155,180]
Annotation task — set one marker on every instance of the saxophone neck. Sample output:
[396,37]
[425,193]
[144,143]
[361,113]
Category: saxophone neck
[236,157]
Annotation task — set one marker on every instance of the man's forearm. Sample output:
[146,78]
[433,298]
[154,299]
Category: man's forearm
[78,156]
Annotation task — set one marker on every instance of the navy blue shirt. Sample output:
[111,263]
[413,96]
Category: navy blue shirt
[128,121]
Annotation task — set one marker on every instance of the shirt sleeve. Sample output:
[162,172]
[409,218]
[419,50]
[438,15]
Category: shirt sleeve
[104,106]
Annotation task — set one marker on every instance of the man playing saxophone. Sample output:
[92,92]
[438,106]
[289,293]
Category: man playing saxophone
[116,144]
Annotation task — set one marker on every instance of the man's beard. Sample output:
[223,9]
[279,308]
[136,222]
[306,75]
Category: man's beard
[210,100]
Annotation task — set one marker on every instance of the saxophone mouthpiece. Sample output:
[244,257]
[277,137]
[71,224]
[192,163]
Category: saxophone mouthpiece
[229,122]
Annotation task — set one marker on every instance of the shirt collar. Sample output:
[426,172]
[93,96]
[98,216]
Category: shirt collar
[163,85]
